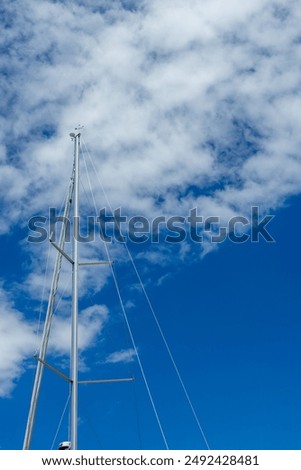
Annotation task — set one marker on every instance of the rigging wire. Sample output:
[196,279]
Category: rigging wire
[129,327]
[47,324]
[138,357]
[153,314]
[129,345]
[64,290]
[168,350]
[56,307]
[39,321]
[60,421]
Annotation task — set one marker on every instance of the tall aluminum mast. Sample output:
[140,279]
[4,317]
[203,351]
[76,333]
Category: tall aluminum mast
[74,319]
[41,358]
[73,193]
[49,315]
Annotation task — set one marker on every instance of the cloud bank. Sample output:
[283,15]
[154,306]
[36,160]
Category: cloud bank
[185,104]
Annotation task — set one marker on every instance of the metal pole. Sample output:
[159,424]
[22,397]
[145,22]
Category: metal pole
[47,326]
[74,320]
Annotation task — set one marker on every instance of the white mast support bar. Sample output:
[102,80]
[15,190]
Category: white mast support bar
[93,263]
[47,325]
[84,382]
[74,319]
[61,251]
[105,381]
[54,369]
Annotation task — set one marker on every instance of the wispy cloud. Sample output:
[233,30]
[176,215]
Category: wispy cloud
[124,356]
[17,343]
[91,322]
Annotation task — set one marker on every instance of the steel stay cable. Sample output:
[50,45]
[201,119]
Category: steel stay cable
[39,321]
[44,283]
[130,329]
[169,351]
[154,316]
[60,421]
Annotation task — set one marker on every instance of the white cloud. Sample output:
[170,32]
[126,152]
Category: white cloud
[91,323]
[124,356]
[162,279]
[17,342]
[183,92]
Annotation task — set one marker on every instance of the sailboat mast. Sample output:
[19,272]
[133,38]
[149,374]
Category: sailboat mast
[74,319]
[46,331]
[72,197]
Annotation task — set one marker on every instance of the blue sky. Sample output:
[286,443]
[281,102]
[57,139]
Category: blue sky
[185,105]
